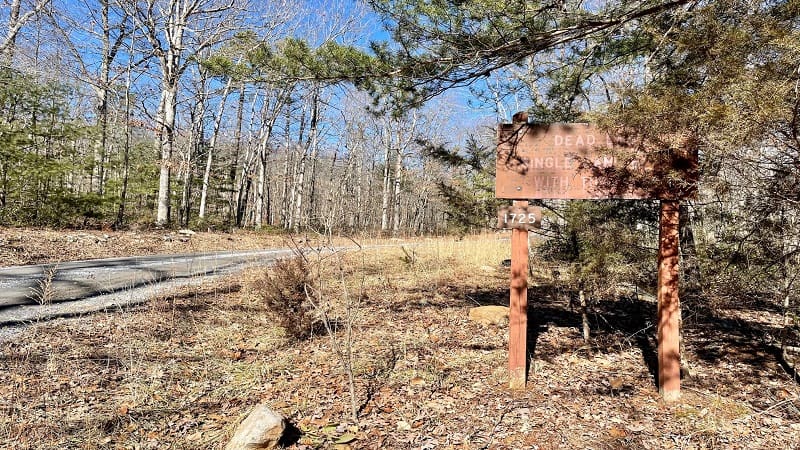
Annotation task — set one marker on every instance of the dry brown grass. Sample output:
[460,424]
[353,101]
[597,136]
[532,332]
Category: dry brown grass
[181,371]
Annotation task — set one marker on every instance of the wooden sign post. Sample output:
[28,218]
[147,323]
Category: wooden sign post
[579,161]
[669,311]
[520,218]
[518,310]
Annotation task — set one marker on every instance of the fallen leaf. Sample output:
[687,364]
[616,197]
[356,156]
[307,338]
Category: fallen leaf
[617,432]
[345,438]
[635,427]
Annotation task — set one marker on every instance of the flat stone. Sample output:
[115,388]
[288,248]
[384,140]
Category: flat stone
[262,428]
[489,315]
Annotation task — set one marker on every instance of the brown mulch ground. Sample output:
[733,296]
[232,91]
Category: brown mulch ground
[183,370]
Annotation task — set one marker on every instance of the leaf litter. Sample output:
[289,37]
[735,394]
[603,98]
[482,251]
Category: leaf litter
[183,370]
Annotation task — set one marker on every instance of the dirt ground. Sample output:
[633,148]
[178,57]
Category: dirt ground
[20,246]
[182,371]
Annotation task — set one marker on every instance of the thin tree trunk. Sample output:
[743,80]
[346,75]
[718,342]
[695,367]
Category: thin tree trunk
[313,188]
[369,218]
[584,315]
[386,185]
[126,151]
[245,180]
[105,68]
[260,182]
[298,191]
[233,201]
[211,146]
[311,144]
[689,261]
[10,41]
[262,187]
[165,141]
[398,171]
[359,212]
[285,182]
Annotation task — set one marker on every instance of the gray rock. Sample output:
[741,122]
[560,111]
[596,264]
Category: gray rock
[262,428]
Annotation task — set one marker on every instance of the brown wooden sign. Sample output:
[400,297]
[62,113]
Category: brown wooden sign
[580,161]
[519,217]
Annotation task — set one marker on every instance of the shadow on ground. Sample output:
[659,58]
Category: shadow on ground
[712,340]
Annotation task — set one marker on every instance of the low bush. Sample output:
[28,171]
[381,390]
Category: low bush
[284,289]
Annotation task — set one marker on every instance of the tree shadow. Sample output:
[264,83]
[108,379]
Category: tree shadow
[627,321]
[630,322]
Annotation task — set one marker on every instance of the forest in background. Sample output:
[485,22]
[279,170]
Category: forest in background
[206,114]
[349,117]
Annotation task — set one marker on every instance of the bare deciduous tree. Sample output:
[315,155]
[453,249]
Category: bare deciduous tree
[179,30]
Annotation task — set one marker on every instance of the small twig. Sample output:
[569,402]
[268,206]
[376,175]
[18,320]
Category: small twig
[765,411]
[473,300]
[497,423]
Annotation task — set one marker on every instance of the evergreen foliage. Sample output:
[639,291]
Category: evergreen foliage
[38,157]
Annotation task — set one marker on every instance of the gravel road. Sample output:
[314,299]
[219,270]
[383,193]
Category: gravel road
[31,293]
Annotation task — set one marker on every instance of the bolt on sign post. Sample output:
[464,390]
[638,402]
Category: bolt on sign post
[520,217]
[581,161]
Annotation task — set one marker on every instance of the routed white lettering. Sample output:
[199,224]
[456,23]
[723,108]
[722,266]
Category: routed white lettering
[564,184]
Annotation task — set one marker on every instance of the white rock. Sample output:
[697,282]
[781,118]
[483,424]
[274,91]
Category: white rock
[186,232]
[262,428]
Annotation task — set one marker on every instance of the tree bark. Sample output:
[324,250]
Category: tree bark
[584,315]
[398,171]
[237,150]
[386,185]
[211,146]
[311,145]
[127,146]
[16,20]
[165,140]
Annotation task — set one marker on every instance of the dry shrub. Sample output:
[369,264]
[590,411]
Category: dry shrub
[284,290]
